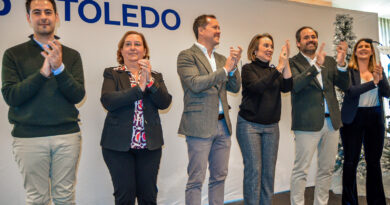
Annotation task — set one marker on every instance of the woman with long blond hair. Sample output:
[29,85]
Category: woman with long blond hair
[363,123]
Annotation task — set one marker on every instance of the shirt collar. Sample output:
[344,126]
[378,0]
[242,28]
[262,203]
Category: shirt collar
[309,59]
[39,43]
[204,49]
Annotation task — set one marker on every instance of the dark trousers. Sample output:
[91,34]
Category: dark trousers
[134,175]
[367,129]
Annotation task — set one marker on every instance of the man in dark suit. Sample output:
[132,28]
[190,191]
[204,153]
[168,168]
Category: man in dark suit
[205,77]
[315,112]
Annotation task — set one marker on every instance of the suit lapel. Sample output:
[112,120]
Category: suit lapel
[356,77]
[303,65]
[324,73]
[123,79]
[220,64]
[202,58]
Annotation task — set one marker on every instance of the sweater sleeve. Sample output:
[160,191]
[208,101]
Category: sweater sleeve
[71,81]
[16,90]
[286,85]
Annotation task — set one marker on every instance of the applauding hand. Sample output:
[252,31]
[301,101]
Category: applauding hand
[321,55]
[377,74]
[341,53]
[232,60]
[53,52]
[145,66]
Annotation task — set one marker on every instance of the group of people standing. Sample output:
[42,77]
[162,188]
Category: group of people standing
[42,81]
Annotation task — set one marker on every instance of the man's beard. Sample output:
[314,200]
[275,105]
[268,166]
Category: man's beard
[309,51]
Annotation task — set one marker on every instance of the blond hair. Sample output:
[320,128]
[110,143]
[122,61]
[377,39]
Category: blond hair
[353,63]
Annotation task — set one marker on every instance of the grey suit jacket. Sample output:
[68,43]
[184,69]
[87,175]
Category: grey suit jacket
[202,90]
[307,96]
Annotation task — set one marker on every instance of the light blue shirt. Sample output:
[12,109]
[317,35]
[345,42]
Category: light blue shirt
[319,76]
[54,71]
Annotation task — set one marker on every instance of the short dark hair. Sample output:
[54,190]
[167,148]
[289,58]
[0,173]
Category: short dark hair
[298,33]
[201,21]
[28,5]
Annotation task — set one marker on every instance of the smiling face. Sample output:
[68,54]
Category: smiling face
[308,42]
[42,17]
[265,50]
[211,32]
[133,48]
[363,50]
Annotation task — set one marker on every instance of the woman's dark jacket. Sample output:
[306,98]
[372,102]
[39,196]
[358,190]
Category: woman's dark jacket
[352,95]
[261,87]
[118,98]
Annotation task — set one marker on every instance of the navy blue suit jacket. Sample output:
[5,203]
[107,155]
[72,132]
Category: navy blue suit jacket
[352,95]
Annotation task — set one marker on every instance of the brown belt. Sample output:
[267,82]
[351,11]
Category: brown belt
[221,116]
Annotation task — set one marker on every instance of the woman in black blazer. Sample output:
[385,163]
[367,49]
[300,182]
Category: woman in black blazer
[132,135]
[363,123]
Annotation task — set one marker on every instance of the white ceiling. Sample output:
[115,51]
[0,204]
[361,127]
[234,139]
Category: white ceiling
[382,7]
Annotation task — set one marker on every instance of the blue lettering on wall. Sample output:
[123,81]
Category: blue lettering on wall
[132,15]
[164,19]
[143,17]
[67,8]
[126,15]
[107,15]
[6,9]
[94,4]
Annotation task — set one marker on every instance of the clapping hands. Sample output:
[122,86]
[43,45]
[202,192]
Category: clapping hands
[283,57]
[53,57]
[378,73]
[233,59]
[341,53]
[146,74]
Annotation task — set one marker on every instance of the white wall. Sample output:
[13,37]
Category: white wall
[239,21]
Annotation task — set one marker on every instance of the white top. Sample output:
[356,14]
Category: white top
[369,98]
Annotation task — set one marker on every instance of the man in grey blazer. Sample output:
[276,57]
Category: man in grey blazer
[315,113]
[205,77]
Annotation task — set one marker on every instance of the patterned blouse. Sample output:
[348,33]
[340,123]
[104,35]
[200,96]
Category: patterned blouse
[138,140]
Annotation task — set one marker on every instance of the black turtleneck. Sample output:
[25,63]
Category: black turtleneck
[261,87]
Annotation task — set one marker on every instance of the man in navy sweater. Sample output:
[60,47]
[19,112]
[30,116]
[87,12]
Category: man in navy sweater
[42,81]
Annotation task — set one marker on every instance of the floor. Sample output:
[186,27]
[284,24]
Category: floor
[284,198]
